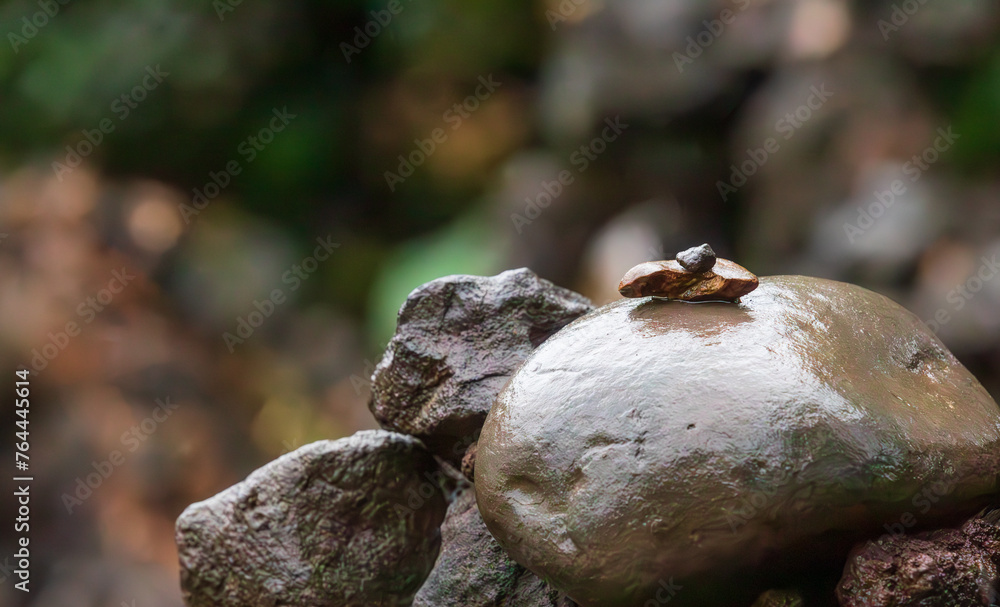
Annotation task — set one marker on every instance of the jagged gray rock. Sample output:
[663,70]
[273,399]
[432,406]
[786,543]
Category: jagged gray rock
[352,522]
[457,341]
[697,259]
[474,571]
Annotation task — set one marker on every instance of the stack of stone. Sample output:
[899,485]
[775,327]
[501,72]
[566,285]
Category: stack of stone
[384,517]
[390,517]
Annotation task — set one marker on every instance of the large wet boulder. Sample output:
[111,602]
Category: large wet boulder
[705,446]
[347,523]
[474,571]
[944,568]
[457,341]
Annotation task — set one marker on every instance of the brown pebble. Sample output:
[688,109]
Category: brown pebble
[726,281]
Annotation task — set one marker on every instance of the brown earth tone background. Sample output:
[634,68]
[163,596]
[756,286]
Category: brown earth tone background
[171,173]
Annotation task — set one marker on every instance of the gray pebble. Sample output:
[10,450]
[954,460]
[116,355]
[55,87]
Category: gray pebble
[697,259]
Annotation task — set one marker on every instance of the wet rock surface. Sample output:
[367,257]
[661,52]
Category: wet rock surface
[946,568]
[697,259]
[655,440]
[352,522]
[474,571]
[726,281]
[458,339]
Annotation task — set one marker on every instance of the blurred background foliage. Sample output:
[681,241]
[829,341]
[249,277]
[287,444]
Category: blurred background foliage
[564,67]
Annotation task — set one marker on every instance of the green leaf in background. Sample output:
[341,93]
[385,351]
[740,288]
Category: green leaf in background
[467,246]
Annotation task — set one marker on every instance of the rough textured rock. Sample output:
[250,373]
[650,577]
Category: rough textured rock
[726,281]
[697,259]
[779,598]
[469,462]
[947,568]
[457,341]
[353,522]
[656,438]
[474,571]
